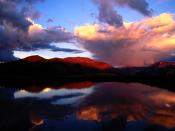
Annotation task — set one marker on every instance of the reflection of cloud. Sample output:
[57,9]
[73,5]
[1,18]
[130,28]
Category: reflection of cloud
[136,44]
[161,97]
[78,85]
[48,93]
[90,114]
[46,90]
[68,101]
[165,118]
[134,101]
[36,120]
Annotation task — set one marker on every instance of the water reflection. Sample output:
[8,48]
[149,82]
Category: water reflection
[133,101]
[59,96]
[103,106]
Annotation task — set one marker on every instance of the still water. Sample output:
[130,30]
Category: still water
[88,106]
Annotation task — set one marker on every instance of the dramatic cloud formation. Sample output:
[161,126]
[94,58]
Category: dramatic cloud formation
[19,32]
[134,44]
[109,15]
[111,40]
[41,37]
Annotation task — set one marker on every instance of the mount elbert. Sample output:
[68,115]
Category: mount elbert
[36,70]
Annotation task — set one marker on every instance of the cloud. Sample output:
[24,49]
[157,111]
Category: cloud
[50,20]
[13,26]
[134,44]
[52,48]
[19,32]
[139,5]
[38,35]
[10,15]
[108,13]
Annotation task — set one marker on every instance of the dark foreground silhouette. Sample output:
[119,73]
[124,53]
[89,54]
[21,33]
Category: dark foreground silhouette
[35,70]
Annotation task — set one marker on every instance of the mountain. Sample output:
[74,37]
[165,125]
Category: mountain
[164,64]
[38,70]
[35,70]
[35,58]
[86,62]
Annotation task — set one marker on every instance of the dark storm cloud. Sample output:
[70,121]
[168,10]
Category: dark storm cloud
[51,47]
[10,15]
[108,14]
[10,38]
[7,55]
[52,34]
[9,12]
[139,5]
[19,33]
[13,26]
[31,13]
[41,38]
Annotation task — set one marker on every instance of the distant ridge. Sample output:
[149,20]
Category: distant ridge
[71,60]
[35,70]
[163,64]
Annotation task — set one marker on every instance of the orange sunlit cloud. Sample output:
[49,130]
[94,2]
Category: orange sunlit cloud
[143,42]
[34,27]
[88,32]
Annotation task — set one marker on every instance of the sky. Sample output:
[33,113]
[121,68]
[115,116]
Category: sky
[119,32]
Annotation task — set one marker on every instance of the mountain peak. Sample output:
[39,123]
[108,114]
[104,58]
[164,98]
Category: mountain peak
[34,58]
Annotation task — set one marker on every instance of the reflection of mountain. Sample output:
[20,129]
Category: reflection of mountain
[74,85]
[78,85]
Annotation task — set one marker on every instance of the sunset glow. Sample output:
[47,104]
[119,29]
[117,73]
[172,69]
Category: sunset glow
[87,65]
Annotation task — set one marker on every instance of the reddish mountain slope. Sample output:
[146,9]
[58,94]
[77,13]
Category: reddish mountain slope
[163,64]
[35,58]
[87,62]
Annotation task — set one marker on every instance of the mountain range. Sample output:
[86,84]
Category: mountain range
[38,70]
[86,62]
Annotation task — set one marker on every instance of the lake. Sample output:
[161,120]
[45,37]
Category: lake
[87,106]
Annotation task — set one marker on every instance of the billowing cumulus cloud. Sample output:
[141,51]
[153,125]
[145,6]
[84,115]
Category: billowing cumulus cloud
[134,44]
[19,32]
[38,35]
[108,13]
